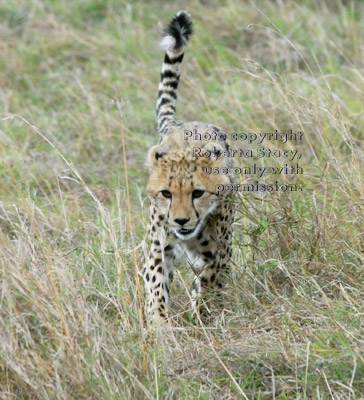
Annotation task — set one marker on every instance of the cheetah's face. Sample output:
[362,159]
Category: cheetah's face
[183,193]
[185,203]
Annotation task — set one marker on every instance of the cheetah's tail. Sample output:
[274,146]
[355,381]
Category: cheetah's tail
[174,40]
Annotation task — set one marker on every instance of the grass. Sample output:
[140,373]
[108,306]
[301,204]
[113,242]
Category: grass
[292,324]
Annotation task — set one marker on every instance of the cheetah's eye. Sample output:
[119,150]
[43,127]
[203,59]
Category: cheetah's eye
[166,193]
[197,194]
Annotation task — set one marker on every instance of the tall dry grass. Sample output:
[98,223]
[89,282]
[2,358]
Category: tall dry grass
[72,234]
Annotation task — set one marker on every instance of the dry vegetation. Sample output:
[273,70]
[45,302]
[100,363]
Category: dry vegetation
[70,328]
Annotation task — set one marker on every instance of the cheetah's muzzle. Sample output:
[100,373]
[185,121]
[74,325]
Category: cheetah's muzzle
[184,231]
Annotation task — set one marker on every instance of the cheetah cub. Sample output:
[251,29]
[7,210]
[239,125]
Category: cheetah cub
[189,219]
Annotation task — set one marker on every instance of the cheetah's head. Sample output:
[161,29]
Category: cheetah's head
[185,195]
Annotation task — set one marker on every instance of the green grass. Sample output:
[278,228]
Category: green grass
[292,323]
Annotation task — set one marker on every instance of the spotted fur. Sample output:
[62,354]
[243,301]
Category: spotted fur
[189,219]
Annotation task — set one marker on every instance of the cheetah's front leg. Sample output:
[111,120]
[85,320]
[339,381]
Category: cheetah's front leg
[215,267]
[206,280]
[158,275]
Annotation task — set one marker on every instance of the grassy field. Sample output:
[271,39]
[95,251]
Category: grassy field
[77,75]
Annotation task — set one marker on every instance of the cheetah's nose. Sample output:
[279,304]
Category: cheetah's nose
[181,221]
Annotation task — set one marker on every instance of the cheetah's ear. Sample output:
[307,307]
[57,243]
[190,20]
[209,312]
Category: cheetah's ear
[216,152]
[155,154]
